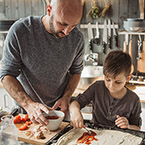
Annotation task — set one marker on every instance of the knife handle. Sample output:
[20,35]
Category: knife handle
[104,47]
[116,40]
[14,111]
[91,45]
[109,42]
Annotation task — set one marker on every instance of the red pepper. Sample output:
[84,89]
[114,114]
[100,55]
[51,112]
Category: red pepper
[17,119]
[23,127]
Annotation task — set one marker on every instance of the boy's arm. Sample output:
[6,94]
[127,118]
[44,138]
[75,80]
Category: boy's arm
[134,127]
[122,122]
[76,118]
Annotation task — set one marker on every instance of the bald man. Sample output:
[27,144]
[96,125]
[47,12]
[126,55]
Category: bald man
[43,59]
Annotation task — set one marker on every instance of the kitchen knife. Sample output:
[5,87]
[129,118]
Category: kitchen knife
[115,35]
[90,37]
[125,44]
[97,37]
[109,34]
[14,111]
[130,45]
[139,47]
[104,37]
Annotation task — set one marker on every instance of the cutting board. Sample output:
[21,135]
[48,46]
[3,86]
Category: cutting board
[32,140]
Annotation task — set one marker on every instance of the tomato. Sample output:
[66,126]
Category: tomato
[25,118]
[28,122]
[17,119]
[23,127]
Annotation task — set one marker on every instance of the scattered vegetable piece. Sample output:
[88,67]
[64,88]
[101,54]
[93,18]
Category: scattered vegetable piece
[17,119]
[23,127]
[25,118]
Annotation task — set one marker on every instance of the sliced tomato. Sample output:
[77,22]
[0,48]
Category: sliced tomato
[17,119]
[25,118]
[28,122]
[23,127]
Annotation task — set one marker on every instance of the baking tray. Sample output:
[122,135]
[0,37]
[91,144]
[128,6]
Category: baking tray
[98,127]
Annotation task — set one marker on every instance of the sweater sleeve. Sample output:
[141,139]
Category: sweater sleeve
[11,60]
[85,98]
[135,118]
[77,65]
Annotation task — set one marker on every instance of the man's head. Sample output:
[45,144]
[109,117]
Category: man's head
[64,16]
[117,62]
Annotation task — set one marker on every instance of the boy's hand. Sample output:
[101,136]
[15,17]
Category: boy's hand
[76,120]
[122,122]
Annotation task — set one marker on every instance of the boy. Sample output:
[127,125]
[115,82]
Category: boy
[113,103]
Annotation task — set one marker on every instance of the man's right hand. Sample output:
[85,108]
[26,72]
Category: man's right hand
[35,111]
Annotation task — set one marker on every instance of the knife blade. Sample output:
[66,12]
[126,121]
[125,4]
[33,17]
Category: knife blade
[90,33]
[104,36]
[115,35]
[125,43]
[90,37]
[97,37]
[109,33]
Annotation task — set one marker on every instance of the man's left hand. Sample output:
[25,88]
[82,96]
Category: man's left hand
[63,104]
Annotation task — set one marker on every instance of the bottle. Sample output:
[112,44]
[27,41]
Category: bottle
[8,131]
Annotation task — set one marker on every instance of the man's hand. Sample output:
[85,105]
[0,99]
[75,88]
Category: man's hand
[62,103]
[122,122]
[35,109]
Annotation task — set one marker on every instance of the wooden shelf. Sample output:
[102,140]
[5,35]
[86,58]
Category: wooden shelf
[132,33]
[137,82]
[101,26]
[3,32]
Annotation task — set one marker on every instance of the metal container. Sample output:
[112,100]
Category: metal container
[134,25]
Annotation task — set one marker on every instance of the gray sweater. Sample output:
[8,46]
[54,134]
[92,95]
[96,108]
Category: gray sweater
[41,62]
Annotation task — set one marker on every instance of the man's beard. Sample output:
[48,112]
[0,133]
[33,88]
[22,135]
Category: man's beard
[52,29]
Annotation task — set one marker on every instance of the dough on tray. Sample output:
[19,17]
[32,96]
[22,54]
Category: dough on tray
[105,137]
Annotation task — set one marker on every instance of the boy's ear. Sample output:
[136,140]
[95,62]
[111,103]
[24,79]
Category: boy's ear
[49,8]
[129,77]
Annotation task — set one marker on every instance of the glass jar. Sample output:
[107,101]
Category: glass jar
[8,131]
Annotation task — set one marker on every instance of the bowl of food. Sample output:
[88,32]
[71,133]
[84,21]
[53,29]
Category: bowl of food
[55,119]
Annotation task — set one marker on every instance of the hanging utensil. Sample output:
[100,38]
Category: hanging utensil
[109,34]
[115,35]
[130,45]
[90,37]
[141,62]
[141,8]
[125,44]
[104,37]
[97,37]
[139,47]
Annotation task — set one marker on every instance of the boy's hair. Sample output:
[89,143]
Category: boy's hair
[117,62]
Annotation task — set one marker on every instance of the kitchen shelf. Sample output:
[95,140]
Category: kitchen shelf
[101,26]
[132,33]
[137,82]
[3,32]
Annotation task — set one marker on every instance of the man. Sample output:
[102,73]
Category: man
[43,59]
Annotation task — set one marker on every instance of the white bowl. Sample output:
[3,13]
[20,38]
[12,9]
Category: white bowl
[54,124]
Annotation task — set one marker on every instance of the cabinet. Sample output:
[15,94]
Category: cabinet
[6,101]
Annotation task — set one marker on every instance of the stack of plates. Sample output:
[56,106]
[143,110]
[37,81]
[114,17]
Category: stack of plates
[134,25]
